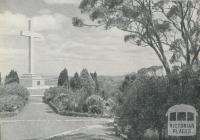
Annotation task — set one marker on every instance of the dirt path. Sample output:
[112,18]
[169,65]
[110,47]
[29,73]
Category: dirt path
[38,121]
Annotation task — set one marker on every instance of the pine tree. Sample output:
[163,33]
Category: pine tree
[63,79]
[12,77]
[75,82]
[94,77]
[87,82]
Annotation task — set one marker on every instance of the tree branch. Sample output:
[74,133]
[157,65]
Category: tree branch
[195,56]
[172,22]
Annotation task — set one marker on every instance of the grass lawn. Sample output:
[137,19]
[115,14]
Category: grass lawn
[99,132]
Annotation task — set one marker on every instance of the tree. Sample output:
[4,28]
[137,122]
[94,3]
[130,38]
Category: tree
[146,100]
[158,24]
[0,78]
[127,81]
[75,82]
[63,79]
[87,82]
[144,105]
[12,77]
[94,77]
[153,71]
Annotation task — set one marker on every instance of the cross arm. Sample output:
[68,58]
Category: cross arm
[30,34]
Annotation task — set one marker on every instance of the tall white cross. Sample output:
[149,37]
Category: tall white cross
[30,36]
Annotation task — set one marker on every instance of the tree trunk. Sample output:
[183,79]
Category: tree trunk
[160,134]
[162,58]
[168,71]
[163,133]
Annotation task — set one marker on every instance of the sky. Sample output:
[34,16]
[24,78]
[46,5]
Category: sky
[62,45]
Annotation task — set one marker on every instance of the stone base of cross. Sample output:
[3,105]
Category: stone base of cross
[32,80]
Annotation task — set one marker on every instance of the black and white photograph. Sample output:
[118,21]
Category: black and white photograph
[99,69]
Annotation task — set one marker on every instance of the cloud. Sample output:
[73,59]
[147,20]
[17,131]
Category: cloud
[62,1]
[91,52]
[8,58]
[49,22]
[44,11]
[54,37]
[12,21]
[15,22]
[9,51]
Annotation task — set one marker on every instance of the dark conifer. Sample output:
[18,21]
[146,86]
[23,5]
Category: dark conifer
[12,77]
[63,79]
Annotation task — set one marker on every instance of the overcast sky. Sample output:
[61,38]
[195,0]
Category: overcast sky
[62,44]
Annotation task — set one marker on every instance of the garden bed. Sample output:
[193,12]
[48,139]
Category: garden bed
[76,114]
[13,97]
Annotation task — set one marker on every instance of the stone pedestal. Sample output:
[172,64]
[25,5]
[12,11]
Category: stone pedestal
[32,80]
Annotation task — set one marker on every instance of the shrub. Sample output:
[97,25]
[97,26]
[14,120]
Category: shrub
[62,102]
[110,106]
[94,109]
[83,107]
[2,90]
[61,99]
[52,92]
[110,103]
[16,89]
[95,104]
[12,97]
[94,100]
[11,103]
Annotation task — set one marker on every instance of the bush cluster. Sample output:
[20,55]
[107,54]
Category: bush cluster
[13,97]
[78,94]
[17,89]
[64,100]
